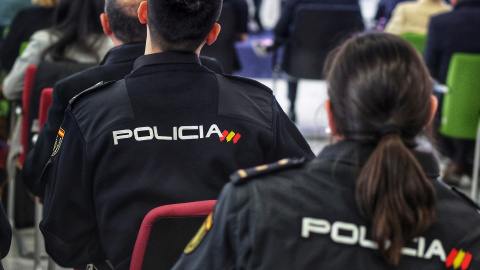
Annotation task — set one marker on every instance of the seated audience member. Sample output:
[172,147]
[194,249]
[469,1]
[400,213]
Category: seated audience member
[120,22]
[242,17]
[25,23]
[414,16]
[384,11]
[282,36]
[226,52]
[369,201]
[448,33]
[76,35]
[170,132]
[5,235]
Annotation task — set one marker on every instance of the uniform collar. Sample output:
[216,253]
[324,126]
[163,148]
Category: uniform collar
[124,53]
[167,58]
[354,154]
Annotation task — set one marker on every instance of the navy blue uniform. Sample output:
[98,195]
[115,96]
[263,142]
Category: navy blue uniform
[451,32]
[117,64]
[170,132]
[305,217]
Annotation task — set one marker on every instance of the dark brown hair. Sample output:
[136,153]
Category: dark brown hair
[380,94]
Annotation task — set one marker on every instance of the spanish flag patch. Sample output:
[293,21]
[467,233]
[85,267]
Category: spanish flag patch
[197,239]
[58,141]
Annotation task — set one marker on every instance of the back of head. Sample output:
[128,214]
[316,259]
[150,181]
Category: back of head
[380,94]
[181,24]
[76,21]
[123,20]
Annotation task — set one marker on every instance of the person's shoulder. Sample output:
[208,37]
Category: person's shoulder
[443,18]
[245,99]
[91,94]
[263,172]
[248,82]
[450,198]
[101,107]
[84,79]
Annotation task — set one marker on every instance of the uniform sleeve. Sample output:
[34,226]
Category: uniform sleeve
[5,233]
[13,84]
[40,154]
[396,22]
[432,51]
[288,141]
[227,245]
[69,223]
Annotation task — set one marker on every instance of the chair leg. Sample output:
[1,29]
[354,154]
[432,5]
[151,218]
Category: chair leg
[476,161]
[37,234]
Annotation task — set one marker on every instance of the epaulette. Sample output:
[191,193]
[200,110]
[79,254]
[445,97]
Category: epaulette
[240,176]
[89,90]
[467,199]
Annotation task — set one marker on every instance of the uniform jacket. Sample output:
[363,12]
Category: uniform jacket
[305,217]
[171,132]
[415,16]
[456,31]
[115,66]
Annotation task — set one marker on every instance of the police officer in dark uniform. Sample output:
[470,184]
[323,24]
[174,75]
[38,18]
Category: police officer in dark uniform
[369,201]
[170,132]
[120,22]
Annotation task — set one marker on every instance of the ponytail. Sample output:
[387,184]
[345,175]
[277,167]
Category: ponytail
[395,195]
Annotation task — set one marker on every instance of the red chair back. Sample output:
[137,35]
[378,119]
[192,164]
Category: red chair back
[165,232]
[27,93]
[45,102]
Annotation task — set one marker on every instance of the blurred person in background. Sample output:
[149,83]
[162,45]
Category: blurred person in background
[448,33]
[76,35]
[25,23]
[414,17]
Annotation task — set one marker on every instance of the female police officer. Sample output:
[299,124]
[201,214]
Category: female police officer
[369,201]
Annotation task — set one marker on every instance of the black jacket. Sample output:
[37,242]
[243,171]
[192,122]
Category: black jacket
[171,132]
[304,216]
[115,66]
[451,32]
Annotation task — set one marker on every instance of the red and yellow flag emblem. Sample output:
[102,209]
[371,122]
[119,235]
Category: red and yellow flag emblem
[58,141]
[230,136]
[459,259]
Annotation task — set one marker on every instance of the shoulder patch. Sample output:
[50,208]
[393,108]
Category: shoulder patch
[240,176]
[89,90]
[197,239]
[467,199]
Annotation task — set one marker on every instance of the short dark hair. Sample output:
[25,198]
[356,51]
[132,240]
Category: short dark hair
[123,19]
[181,24]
